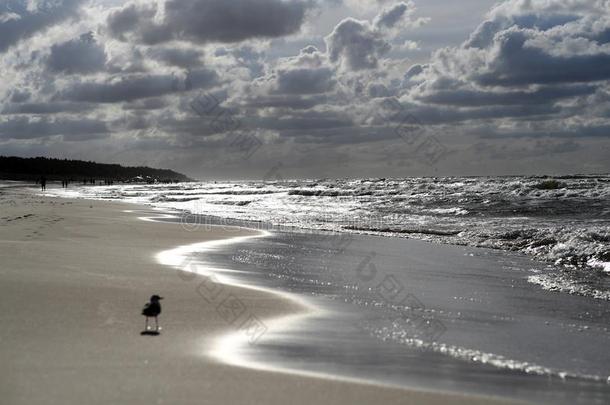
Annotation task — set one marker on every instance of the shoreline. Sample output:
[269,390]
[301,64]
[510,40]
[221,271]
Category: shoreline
[226,344]
[86,310]
[291,325]
[553,281]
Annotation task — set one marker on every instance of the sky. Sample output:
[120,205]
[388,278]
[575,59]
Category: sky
[273,89]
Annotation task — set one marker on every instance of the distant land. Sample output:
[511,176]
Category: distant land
[31,169]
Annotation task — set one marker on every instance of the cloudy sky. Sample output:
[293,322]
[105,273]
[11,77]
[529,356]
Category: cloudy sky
[310,88]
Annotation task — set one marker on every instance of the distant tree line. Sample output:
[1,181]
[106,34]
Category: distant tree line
[16,168]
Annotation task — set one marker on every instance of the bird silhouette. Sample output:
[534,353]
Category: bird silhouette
[152,309]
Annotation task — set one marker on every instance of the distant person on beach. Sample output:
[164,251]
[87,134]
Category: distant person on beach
[43,183]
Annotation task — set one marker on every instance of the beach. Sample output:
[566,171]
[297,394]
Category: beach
[305,202]
[75,274]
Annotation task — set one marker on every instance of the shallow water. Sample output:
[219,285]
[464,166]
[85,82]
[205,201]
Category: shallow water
[460,319]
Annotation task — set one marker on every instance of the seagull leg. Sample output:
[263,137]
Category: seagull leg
[146,327]
[156,324]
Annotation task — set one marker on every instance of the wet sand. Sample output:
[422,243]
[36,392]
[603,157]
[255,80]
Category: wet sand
[73,278]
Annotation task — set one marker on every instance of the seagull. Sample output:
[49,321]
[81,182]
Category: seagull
[152,309]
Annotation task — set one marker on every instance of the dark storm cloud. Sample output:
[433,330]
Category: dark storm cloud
[200,78]
[83,55]
[518,63]
[377,90]
[391,16]
[45,108]
[137,19]
[414,71]
[305,81]
[202,21]
[17,22]
[305,74]
[124,89]
[130,88]
[185,58]
[26,128]
[356,45]
[602,37]
[19,96]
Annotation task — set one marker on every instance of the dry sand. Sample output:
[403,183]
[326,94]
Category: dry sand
[74,275]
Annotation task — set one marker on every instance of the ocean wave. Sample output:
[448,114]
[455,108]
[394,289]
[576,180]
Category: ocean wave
[562,246]
[237,192]
[397,231]
[449,211]
[397,332]
[237,203]
[563,283]
[327,193]
[164,198]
